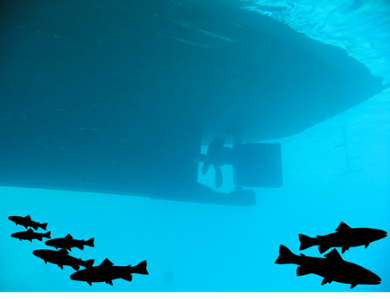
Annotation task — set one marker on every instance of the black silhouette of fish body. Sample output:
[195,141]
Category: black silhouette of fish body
[30,235]
[344,237]
[107,272]
[62,258]
[331,268]
[68,242]
[27,222]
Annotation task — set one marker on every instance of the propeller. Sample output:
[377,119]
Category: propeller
[217,155]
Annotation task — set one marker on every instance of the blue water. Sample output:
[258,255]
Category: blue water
[196,247]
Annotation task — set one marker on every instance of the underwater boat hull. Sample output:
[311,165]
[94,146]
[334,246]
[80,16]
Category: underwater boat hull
[118,96]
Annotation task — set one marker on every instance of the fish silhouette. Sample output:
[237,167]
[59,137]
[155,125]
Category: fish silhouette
[30,235]
[62,258]
[331,268]
[345,237]
[27,222]
[68,242]
[107,272]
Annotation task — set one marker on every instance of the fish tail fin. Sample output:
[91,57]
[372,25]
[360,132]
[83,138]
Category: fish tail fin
[286,256]
[128,277]
[88,264]
[47,235]
[43,226]
[306,241]
[140,268]
[90,242]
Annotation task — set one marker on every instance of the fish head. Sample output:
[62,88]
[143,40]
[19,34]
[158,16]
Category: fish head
[15,235]
[14,218]
[39,253]
[81,275]
[50,242]
[371,278]
[378,234]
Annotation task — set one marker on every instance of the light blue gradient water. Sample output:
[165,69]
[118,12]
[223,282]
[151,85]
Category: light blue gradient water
[224,248]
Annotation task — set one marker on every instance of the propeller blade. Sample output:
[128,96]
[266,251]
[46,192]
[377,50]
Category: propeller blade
[215,146]
[202,158]
[218,176]
[205,167]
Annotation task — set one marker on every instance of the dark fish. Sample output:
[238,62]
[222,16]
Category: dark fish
[345,237]
[106,272]
[331,268]
[30,235]
[62,258]
[27,222]
[68,242]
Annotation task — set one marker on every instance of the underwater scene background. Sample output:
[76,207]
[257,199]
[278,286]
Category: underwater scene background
[337,171]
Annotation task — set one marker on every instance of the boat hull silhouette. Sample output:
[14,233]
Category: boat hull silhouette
[118,97]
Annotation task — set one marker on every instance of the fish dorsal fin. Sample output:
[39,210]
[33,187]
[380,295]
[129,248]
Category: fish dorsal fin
[68,236]
[28,217]
[342,227]
[63,251]
[30,230]
[106,263]
[334,255]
